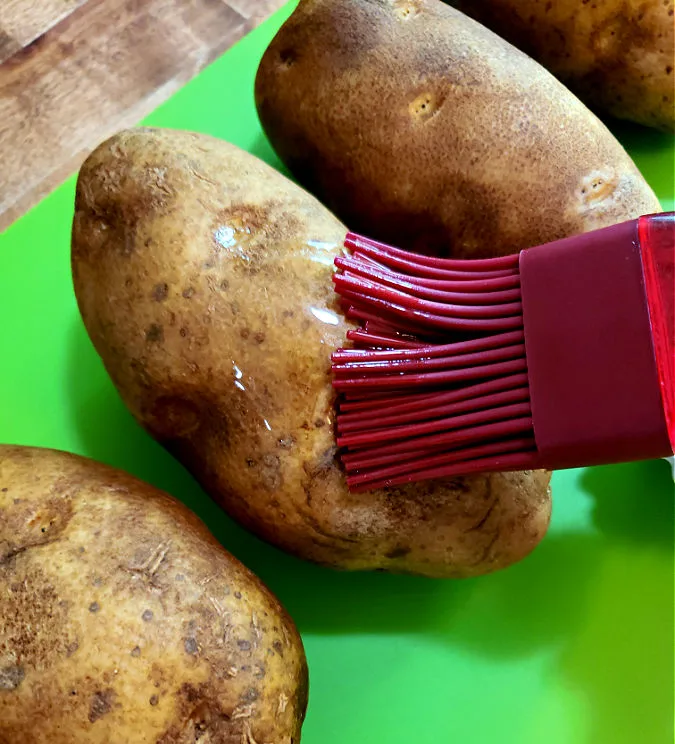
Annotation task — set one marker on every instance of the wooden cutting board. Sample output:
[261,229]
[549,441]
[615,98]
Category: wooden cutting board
[72,72]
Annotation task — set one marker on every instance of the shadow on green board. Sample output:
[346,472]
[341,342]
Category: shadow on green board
[653,153]
[633,502]
[262,149]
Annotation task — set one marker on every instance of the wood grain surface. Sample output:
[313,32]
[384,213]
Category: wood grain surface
[76,71]
[22,21]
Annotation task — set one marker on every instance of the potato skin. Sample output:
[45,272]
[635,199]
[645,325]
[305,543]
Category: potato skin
[416,125]
[204,280]
[123,621]
[616,56]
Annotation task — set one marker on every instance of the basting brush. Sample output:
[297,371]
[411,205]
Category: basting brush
[560,356]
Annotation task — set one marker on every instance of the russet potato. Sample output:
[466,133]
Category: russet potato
[418,126]
[616,56]
[123,621]
[204,280]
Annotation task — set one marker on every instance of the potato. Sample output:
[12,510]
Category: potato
[420,127]
[123,621]
[617,56]
[204,280]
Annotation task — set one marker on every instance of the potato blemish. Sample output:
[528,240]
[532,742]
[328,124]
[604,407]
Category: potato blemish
[596,187]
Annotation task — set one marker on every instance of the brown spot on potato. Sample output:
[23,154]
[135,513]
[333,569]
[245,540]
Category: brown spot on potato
[287,58]
[189,692]
[244,645]
[188,293]
[154,699]
[160,292]
[71,648]
[154,333]
[398,552]
[11,677]
[147,615]
[191,646]
[251,230]
[101,704]
[136,652]
[250,696]
[269,469]
[94,607]
[278,647]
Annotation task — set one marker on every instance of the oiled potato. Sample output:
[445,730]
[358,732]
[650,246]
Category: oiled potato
[204,280]
[617,56]
[418,126]
[123,621]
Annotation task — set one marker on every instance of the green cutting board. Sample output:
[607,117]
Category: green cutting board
[572,646]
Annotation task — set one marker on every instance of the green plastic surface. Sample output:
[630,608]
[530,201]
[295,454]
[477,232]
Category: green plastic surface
[572,646]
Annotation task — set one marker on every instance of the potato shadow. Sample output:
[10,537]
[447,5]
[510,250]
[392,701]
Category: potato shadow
[653,153]
[262,149]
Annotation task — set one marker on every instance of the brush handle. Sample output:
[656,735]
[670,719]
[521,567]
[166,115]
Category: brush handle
[595,385]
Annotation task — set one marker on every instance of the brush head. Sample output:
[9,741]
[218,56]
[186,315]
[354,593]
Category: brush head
[551,358]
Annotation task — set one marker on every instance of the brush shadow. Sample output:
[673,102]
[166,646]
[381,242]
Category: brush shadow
[633,502]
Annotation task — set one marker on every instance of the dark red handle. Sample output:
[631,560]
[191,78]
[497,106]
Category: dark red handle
[657,245]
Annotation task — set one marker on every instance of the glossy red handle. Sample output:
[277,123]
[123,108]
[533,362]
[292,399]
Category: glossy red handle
[657,245]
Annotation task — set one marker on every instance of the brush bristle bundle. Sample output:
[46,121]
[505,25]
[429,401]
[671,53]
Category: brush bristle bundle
[435,384]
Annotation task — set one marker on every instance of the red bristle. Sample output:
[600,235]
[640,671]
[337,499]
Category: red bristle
[403,403]
[354,242]
[419,321]
[381,340]
[445,378]
[366,458]
[365,367]
[366,402]
[348,283]
[459,421]
[375,323]
[438,384]
[520,460]
[412,267]
[445,457]
[381,458]
[473,291]
[426,351]
[359,422]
